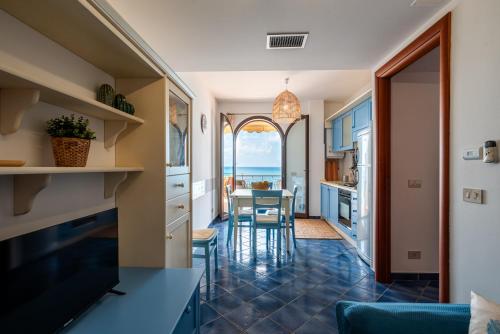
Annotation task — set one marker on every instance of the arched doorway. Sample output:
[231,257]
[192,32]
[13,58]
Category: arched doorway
[258,153]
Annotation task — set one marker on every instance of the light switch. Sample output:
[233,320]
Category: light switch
[414,183]
[473,195]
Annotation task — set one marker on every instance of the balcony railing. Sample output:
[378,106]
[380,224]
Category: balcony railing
[246,180]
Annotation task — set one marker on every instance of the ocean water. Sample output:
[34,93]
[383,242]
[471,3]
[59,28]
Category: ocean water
[253,170]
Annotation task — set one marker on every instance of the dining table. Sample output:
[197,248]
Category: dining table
[242,198]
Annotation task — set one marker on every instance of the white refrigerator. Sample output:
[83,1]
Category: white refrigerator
[364,187]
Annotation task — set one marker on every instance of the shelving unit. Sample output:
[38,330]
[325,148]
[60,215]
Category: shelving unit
[149,234]
[29,181]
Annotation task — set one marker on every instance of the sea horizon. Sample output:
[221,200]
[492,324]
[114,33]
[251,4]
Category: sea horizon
[228,170]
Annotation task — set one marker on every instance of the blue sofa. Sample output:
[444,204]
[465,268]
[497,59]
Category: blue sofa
[407,318]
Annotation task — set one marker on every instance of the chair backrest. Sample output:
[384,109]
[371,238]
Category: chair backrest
[262,185]
[267,199]
[229,201]
[292,212]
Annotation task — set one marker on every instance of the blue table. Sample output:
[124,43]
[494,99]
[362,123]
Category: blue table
[156,301]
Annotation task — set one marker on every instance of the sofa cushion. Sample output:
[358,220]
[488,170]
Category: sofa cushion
[484,313]
[389,318]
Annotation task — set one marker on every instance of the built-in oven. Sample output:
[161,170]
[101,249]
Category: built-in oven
[345,208]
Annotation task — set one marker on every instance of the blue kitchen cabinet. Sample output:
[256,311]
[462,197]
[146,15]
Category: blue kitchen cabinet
[362,117]
[337,134]
[354,214]
[325,201]
[342,132]
[334,205]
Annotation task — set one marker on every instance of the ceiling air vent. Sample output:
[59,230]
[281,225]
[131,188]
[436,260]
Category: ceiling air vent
[296,40]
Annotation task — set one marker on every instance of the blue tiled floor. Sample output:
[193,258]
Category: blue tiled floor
[297,294]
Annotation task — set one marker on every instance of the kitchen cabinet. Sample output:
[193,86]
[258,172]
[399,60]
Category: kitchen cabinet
[330,209]
[342,133]
[333,205]
[337,134]
[346,126]
[362,117]
[325,201]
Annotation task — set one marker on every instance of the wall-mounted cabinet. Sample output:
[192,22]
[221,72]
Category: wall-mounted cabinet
[346,126]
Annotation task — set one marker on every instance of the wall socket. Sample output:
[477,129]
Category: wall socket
[414,183]
[414,255]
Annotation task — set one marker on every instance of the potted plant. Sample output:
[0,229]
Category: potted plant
[70,140]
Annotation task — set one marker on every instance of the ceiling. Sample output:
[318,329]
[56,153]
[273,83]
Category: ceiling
[228,35]
[333,85]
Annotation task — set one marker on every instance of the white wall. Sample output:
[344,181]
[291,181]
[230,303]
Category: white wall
[475,117]
[415,156]
[68,196]
[205,153]
[475,68]
[315,110]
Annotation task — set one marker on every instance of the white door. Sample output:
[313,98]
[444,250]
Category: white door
[296,164]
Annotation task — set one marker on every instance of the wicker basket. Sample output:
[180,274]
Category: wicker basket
[70,152]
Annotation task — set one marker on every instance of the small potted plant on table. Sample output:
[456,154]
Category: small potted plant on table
[70,140]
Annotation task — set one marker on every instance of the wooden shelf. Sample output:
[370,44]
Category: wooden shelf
[59,96]
[29,181]
[81,28]
[19,92]
[65,170]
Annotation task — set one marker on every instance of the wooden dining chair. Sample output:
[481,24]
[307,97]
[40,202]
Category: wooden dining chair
[262,185]
[244,217]
[266,200]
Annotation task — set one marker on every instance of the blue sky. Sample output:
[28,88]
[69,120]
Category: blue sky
[254,149]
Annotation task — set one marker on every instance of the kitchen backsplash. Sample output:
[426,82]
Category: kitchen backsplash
[345,165]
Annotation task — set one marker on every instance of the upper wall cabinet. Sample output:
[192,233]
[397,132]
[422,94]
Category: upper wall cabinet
[346,126]
[178,132]
[362,117]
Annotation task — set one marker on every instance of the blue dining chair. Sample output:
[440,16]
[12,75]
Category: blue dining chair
[292,217]
[244,217]
[266,200]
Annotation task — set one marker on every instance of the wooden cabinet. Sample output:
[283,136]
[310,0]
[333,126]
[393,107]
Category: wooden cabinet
[154,230]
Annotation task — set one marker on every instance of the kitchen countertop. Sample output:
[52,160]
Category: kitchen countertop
[339,184]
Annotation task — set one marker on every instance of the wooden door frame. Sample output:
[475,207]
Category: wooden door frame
[306,118]
[223,118]
[437,35]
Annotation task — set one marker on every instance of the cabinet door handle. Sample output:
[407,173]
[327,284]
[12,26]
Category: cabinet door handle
[188,309]
[169,236]
[180,206]
[180,185]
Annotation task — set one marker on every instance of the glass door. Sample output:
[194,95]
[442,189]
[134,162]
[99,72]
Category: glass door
[297,164]
[178,139]
[227,162]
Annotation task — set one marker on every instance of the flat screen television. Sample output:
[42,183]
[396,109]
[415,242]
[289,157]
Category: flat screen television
[50,276]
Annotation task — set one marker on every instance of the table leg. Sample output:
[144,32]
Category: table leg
[287,223]
[235,222]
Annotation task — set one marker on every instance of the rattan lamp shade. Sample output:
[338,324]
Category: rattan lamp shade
[286,107]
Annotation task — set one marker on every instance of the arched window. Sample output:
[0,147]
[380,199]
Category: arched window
[258,152]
